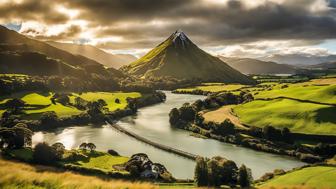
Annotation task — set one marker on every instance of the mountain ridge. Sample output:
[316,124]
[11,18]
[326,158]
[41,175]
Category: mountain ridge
[255,66]
[107,59]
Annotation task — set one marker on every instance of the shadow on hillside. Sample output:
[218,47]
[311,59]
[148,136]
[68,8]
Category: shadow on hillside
[326,115]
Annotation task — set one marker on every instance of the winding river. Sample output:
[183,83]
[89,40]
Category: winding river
[152,123]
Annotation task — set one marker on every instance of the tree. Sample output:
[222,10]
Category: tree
[174,116]
[44,154]
[187,113]
[286,135]
[16,137]
[91,146]
[117,101]
[15,105]
[59,149]
[214,176]
[23,135]
[102,103]
[49,119]
[83,146]
[244,176]
[201,172]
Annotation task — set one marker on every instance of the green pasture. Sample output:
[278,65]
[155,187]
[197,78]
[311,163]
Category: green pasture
[214,87]
[312,177]
[297,116]
[108,97]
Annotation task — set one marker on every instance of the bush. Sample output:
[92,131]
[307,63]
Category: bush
[44,154]
[113,152]
[49,120]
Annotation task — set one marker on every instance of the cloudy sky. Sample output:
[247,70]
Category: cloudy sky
[250,28]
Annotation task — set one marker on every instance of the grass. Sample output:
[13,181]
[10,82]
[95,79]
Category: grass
[317,177]
[38,103]
[214,87]
[302,91]
[109,98]
[24,154]
[99,160]
[297,116]
[18,175]
[220,114]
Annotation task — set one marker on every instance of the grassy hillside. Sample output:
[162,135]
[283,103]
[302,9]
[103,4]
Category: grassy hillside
[38,103]
[11,41]
[178,57]
[297,116]
[310,177]
[304,91]
[35,177]
[213,87]
[109,98]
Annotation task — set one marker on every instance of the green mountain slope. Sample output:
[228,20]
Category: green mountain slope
[254,66]
[94,53]
[12,42]
[178,57]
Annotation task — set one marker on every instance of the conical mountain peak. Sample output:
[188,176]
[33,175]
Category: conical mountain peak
[179,58]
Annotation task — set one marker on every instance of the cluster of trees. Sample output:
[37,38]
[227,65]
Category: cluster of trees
[189,112]
[87,146]
[219,171]
[272,133]
[45,154]
[17,136]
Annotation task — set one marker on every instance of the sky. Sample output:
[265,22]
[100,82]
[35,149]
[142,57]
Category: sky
[244,28]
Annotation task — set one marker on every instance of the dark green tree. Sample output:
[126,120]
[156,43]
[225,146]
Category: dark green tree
[44,154]
[201,172]
[15,105]
[244,176]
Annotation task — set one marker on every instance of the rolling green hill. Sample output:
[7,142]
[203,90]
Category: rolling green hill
[310,177]
[178,57]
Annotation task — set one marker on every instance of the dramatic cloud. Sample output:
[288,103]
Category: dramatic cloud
[221,26]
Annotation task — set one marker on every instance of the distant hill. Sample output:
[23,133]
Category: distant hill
[12,42]
[94,53]
[178,57]
[326,65]
[254,66]
[299,60]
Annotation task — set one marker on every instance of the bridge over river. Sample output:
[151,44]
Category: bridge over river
[155,144]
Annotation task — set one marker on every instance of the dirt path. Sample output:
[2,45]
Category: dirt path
[221,114]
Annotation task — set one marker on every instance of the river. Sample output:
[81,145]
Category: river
[152,123]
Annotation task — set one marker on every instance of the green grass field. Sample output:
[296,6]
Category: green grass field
[319,93]
[214,87]
[315,177]
[297,116]
[38,103]
[99,160]
[109,98]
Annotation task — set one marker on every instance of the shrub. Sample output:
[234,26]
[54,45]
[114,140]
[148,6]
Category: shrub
[113,152]
[44,154]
